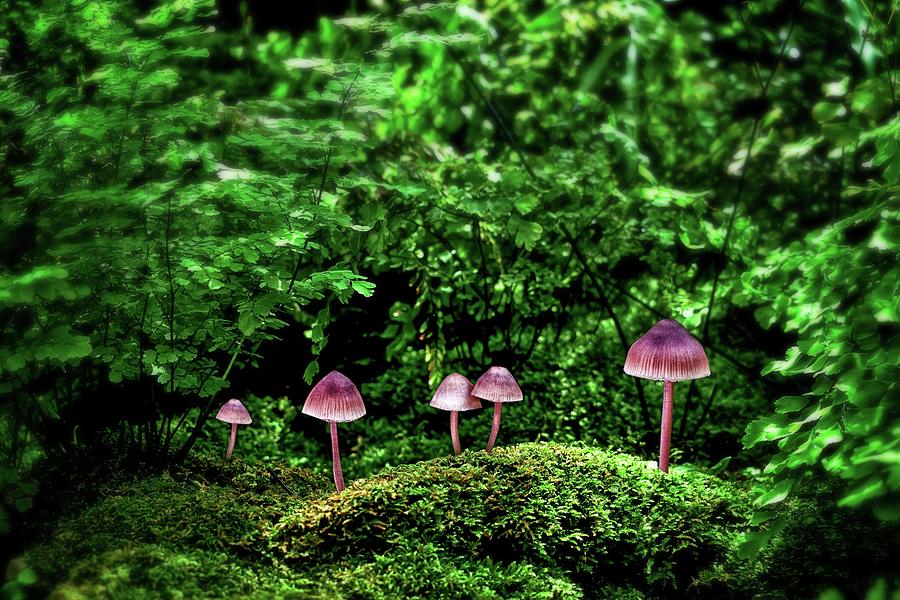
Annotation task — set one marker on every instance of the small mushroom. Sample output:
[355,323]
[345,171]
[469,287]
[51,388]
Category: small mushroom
[667,353]
[497,385]
[335,399]
[236,413]
[455,394]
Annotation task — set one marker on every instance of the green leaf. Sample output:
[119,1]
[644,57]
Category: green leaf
[248,323]
[870,488]
[752,542]
[527,233]
[776,494]
[788,404]
[840,134]
[62,345]
[525,204]
[363,287]
[824,112]
[547,20]
[27,576]
[720,466]
[310,372]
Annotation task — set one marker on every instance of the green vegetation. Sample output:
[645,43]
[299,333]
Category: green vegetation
[203,199]
[532,520]
[568,516]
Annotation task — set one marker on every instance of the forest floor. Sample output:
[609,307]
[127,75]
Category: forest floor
[528,521]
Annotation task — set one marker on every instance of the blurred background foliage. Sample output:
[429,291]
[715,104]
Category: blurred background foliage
[204,202]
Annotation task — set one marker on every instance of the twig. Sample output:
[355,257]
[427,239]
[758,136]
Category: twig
[464,66]
[345,102]
[709,401]
[735,205]
[604,300]
[280,482]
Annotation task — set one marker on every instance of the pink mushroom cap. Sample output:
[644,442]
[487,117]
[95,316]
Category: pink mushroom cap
[667,352]
[334,398]
[455,394]
[497,385]
[234,411]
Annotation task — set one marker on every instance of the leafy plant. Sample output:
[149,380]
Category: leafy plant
[162,234]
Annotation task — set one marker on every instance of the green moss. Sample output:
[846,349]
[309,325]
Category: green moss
[154,571]
[212,505]
[605,518]
[422,570]
[528,521]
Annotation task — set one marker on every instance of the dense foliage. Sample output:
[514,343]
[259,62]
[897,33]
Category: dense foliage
[197,206]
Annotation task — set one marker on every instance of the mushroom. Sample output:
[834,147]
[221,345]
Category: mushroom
[667,353]
[455,394]
[235,413]
[335,399]
[497,385]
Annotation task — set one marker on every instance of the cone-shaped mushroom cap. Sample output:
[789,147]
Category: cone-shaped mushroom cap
[234,411]
[497,385]
[667,352]
[334,398]
[455,393]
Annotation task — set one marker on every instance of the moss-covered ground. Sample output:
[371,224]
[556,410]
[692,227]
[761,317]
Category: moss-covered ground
[527,521]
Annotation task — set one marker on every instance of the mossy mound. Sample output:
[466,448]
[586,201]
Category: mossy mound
[604,518]
[528,521]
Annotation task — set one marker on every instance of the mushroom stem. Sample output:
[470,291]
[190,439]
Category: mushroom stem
[665,429]
[231,441]
[495,427]
[454,431]
[336,458]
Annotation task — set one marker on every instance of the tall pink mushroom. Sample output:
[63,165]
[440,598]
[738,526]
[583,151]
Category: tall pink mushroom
[335,399]
[236,413]
[497,385]
[455,394]
[667,353]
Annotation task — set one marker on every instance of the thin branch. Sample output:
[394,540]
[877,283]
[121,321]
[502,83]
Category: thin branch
[280,482]
[735,205]
[465,67]
[604,300]
[488,308]
[741,182]
[171,285]
[729,228]
[703,413]
[204,412]
[345,102]
[756,72]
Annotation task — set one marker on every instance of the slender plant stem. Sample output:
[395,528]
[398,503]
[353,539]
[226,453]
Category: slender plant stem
[665,427]
[281,483]
[346,97]
[607,306]
[736,204]
[764,91]
[495,427]
[231,441]
[204,412]
[336,458]
[495,115]
[703,413]
[454,431]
